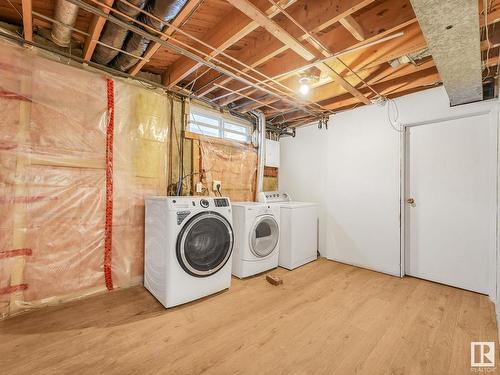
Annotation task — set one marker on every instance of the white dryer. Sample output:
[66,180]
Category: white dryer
[298,228]
[256,238]
[188,247]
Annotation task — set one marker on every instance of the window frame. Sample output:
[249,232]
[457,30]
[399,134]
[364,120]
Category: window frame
[222,119]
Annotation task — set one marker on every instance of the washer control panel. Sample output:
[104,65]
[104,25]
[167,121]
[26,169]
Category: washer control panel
[221,202]
[273,197]
[186,203]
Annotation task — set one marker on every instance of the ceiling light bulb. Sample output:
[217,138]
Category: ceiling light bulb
[304,89]
[305,85]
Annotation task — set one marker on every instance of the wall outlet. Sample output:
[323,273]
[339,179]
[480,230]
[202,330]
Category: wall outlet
[217,185]
[199,187]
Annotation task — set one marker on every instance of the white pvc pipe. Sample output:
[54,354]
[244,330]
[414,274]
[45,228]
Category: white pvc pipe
[261,129]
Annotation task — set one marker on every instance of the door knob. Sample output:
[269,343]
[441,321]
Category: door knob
[411,201]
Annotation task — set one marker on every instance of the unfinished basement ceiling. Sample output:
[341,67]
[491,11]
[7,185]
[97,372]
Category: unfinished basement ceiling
[351,51]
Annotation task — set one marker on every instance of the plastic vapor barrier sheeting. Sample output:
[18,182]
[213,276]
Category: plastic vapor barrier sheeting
[234,165]
[53,178]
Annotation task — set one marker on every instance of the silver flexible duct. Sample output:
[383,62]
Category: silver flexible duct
[65,13]
[136,44]
[114,35]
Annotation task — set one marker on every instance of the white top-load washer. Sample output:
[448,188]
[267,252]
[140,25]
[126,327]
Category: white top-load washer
[188,247]
[256,238]
[298,229]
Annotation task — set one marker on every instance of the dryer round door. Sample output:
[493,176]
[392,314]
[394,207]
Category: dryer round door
[204,244]
[264,236]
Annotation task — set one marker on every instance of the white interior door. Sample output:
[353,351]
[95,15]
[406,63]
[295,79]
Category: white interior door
[451,225]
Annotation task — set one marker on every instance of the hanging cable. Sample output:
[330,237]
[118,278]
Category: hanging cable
[486,10]
[395,123]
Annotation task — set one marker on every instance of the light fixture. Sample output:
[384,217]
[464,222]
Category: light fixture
[305,85]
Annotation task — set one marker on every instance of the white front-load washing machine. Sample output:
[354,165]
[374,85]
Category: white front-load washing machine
[188,247]
[256,238]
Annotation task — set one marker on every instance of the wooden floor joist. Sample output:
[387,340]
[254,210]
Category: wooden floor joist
[230,30]
[95,32]
[27,20]
[272,43]
[337,39]
[183,15]
[353,27]
[272,27]
[320,15]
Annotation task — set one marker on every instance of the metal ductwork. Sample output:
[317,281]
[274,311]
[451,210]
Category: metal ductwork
[66,13]
[114,35]
[136,44]
[451,29]
[261,131]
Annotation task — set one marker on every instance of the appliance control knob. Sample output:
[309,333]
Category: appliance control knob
[204,203]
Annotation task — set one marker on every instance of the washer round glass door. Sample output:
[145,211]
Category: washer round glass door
[204,244]
[264,236]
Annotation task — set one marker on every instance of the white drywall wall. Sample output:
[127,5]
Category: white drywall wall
[353,171]
[363,180]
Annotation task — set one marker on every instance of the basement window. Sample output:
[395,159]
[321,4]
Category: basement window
[214,124]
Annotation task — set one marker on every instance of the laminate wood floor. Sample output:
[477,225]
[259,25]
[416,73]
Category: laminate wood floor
[326,318]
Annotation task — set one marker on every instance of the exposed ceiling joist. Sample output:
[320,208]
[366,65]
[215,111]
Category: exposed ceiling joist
[223,35]
[375,76]
[394,15]
[392,82]
[374,57]
[346,85]
[320,15]
[287,39]
[252,99]
[272,27]
[353,27]
[241,54]
[420,78]
[425,78]
[372,75]
[451,28]
[192,56]
[95,30]
[493,17]
[183,15]
[254,105]
[27,20]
